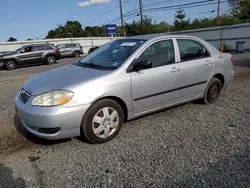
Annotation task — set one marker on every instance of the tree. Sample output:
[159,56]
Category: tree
[11,39]
[180,23]
[28,39]
[70,29]
[244,12]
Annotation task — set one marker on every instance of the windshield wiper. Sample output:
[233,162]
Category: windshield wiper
[93,65]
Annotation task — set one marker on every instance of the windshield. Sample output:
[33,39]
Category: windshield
[18,50]
[113,54]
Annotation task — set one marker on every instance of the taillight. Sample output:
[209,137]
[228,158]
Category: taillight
[58,50]
[232,59]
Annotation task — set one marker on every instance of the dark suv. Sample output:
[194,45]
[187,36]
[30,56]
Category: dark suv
[70,49]
[30,54]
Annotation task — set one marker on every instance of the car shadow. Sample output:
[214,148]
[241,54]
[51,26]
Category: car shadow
[7,179]
[33,138]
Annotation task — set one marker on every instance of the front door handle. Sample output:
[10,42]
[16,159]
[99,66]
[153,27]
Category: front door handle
[208,63]
[175,69]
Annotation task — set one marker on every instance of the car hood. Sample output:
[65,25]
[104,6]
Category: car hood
[61,78]
[8,54]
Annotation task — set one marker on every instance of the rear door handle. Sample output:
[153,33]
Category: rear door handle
[175,69]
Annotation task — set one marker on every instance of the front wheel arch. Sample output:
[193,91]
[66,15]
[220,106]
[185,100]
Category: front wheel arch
[120,102]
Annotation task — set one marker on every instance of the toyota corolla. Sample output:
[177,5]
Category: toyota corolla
[119,81]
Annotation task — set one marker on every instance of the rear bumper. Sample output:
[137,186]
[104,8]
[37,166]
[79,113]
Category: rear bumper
[51,123]
[58,56]
[229,77]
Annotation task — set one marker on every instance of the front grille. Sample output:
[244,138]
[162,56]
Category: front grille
[24,95]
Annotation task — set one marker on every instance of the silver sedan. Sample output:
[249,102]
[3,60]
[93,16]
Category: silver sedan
[122,80]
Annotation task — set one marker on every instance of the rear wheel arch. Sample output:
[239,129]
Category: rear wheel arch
[76,51]
[49,55]
[220,77]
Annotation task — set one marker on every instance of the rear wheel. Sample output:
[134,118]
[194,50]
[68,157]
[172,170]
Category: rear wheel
[102,122]
[76,54]
[51,60]
[10,65]
[212,91]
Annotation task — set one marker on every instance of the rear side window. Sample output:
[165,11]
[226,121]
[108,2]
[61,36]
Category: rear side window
[70,45]
[37,48]
[47,47]
[190,50]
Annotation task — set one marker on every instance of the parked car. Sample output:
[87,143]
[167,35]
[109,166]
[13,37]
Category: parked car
[31,54]
[70,50]
[2,54]
[92,49]
[120,81]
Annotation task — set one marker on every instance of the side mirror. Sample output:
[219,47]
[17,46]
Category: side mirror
[139,65]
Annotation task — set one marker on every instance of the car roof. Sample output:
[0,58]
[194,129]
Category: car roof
[38,45]
[158,35]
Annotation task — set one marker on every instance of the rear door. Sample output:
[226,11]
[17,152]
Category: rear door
[70,48]
[158,86]
[195,65]
[62,48]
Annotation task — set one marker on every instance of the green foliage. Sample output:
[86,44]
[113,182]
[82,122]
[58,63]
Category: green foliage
[227,48]
[70,29]
[244,13]
[11,39]
[180,23]
[28,39]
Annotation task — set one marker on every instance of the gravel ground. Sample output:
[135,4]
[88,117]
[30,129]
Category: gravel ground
[191,145]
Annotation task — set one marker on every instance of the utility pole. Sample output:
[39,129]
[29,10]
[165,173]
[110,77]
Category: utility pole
[141,10]
[218,13]
[122,23]
[234,4]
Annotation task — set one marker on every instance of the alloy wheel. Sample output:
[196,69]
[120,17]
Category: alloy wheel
[105,122]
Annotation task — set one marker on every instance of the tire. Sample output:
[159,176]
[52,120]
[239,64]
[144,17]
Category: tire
[50,60]
[102,129]
[10,65]
[76,54]
[212,91]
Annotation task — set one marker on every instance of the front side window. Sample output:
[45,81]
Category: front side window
[47,47]
[190,50]
[160,53]
[112,55]
[27,49]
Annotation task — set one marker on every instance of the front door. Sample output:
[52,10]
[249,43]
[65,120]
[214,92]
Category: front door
[195,65]
[158,86]
[28,55]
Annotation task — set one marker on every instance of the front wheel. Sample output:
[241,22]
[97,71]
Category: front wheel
[10,65]
[102,122]
[212,91]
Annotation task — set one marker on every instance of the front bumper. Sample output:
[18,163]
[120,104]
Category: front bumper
[64,121]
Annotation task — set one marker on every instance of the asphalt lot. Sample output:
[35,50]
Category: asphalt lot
[192,145]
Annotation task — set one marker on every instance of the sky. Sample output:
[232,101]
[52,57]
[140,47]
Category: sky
[24,19]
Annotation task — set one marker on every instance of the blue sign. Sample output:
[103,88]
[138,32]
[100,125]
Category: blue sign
[111,29]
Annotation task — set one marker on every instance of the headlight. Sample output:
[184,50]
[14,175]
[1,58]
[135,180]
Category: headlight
[53,98]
